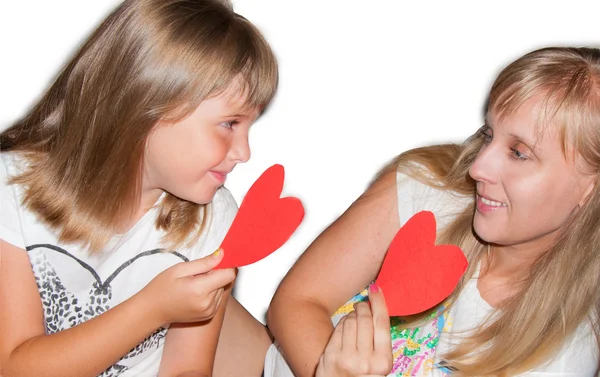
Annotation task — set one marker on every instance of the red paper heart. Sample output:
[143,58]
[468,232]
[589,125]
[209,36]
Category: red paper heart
[416,274]
[263,223]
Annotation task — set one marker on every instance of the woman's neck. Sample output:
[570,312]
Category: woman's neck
[509,261]
[504,268]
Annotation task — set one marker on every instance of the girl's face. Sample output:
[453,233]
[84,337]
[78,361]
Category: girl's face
[192,157]
[526,187]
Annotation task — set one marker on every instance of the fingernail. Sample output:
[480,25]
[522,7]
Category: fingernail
[217,253]
[373,288]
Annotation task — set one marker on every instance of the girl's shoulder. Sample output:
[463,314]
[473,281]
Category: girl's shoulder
[224,206]
[222,211]
[11,164]
[11,211]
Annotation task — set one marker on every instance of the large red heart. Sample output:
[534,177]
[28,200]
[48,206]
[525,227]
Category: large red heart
[263,223]
[416,274]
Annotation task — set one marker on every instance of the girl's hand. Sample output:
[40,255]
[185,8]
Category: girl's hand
[361,344]
[189,291]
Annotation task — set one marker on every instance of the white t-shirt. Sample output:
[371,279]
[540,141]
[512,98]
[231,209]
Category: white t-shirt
[418,351]
[75,286]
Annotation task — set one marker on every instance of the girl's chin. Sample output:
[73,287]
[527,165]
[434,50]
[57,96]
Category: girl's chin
[201,198]
[205,199]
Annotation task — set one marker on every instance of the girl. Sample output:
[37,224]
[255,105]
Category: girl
[114,180]
[520,198]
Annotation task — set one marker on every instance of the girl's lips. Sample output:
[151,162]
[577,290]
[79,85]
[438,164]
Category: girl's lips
[219,176]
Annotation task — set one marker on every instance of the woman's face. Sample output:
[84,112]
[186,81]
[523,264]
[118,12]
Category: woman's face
[526,186]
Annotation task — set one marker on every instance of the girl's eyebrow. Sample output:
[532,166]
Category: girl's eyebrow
[244,112]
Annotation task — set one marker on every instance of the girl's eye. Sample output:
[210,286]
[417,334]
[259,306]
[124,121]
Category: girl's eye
[229,124]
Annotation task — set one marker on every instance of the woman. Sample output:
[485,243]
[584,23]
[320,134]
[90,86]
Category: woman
[519,197]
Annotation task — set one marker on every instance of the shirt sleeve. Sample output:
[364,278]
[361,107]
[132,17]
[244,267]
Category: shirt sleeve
[415,196]
[10,219]
[223,211]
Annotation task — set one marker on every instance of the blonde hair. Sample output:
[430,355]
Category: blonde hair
[561,290]
[149,60]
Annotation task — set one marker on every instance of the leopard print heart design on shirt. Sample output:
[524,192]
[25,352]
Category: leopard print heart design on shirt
[63,309]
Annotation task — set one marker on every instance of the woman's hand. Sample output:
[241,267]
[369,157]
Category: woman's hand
[319,282]
[189,291]
[361,343]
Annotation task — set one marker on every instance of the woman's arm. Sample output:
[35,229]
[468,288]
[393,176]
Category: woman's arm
[341,262]
[84,350]
[190,347]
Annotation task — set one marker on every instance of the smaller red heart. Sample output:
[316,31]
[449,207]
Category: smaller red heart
[416,274]
[263,223]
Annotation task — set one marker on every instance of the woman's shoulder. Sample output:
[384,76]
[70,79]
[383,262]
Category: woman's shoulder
[419,190]
[578,356]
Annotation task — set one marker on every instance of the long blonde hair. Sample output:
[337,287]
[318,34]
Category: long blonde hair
[561,290]
[149,60]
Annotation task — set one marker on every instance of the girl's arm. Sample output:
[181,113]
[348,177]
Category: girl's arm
[190,347]
[93,346]
[84,350]
[341,262]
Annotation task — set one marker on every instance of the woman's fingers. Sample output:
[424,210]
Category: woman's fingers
[364,336]
[361,343]
[335,342]
[381,331]
[349,333]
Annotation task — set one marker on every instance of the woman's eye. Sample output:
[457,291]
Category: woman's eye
[518,155]
[486,134]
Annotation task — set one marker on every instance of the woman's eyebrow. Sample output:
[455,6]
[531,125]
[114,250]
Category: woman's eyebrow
[531,144]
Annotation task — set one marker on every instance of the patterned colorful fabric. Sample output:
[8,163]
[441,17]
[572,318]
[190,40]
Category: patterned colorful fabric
[413,349]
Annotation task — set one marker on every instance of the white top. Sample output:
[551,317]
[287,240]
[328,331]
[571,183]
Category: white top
[75,286]
[414,350]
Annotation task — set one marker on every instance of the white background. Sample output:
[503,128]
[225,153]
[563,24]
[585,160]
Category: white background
[361,81]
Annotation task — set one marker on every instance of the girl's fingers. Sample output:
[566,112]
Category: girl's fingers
[218,298]
[214,280]
[200,266]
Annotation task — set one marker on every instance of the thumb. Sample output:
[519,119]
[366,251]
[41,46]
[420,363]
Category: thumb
[202,265]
